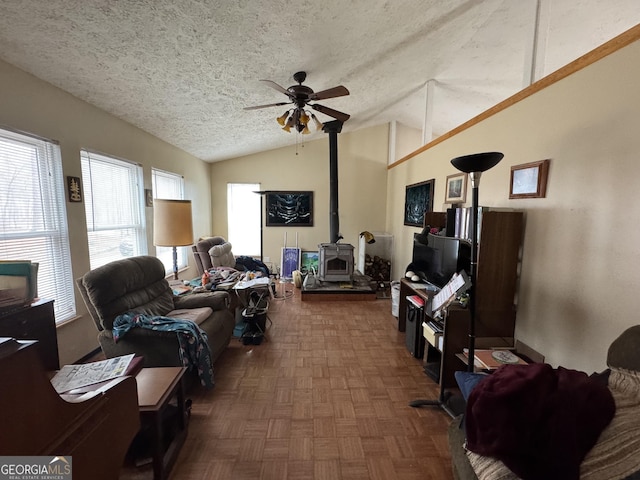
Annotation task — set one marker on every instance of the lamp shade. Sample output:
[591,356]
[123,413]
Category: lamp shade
[477,162]
[172,224]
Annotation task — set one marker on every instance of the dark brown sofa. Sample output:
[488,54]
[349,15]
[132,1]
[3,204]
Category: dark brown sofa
[138,284]
[615,454]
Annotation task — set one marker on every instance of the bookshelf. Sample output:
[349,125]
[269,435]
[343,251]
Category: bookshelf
[499,251]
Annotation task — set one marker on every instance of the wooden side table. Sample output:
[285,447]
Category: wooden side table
[157,388]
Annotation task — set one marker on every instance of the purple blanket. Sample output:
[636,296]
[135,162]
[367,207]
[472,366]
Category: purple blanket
[539,421]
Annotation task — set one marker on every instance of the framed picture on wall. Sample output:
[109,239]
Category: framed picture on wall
[289,209]
[456,188]
[418,199]
[74,189]
[529,180]
[309,262]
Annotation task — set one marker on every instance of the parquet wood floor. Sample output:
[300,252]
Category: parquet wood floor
[324,397]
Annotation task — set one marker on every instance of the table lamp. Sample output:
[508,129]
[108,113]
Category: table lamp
[172,226]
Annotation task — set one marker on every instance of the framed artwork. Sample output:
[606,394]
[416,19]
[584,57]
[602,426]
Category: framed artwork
[289,209]
[74,189]
[456,188]
[309,262]
[290,262]
[529,180]
[418,199]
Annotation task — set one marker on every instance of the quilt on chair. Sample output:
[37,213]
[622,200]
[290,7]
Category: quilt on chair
[194,347]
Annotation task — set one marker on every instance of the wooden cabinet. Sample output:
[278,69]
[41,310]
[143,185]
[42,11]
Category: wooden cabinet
[36,322]
[499,250]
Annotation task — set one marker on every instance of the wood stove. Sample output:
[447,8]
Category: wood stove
[335,262]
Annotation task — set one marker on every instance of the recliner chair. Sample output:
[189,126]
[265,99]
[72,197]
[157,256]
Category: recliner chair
[213,252]
[138,284]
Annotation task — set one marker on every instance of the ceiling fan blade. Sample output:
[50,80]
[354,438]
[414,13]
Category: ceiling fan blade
[268,105]
[329,93]
[277,87]
[343,117]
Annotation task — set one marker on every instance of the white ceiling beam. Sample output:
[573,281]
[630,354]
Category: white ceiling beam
[392,141]
[535,51]
[427,126]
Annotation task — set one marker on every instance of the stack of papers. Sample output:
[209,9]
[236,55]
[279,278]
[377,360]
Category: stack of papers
[72,377]
[457,285]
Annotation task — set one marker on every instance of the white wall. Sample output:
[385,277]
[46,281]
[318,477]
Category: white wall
[34,106]
[581,248]
[362,186]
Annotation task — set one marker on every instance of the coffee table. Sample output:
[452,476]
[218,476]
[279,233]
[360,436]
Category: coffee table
[161,402]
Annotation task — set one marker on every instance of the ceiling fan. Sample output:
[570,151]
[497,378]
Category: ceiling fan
[300,95]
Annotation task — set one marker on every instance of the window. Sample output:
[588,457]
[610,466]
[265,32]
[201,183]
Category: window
[33,223]
[244,218]
[113,203]
[169,186]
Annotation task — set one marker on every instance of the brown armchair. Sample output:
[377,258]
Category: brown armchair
[138,284]
[213,252]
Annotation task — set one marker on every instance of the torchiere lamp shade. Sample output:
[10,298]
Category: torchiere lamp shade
[172,224]
[477,162]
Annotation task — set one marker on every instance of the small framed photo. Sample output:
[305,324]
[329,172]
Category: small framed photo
[148,197]
[456,188]
[529,180]
[74,189]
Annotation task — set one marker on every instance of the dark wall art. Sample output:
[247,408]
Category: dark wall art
[286,209]
[418,200]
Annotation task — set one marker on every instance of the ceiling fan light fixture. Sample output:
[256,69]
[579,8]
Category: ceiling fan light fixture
[317,122]
[300,95]
[282,120]
[290,123]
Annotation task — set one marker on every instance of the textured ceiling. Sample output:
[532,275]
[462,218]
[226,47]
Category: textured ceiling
[183,70]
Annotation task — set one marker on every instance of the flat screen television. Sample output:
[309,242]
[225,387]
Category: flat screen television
[437,261]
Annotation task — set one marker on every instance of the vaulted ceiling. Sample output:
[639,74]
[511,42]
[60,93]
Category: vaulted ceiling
[183,70]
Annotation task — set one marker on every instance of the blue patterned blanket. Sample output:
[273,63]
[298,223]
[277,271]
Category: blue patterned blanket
[194,348]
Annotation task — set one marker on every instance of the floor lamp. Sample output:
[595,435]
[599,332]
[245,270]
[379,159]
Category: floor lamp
[262,194]
[474,165]
[172,226]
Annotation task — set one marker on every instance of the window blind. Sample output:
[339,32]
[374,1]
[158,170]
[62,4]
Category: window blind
[114,199]
[169,186]
[33,220]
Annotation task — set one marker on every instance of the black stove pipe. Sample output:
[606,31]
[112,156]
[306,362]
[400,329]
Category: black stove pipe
[333,128]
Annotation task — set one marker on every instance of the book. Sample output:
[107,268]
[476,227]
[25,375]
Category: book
[416,300]
[180,289]
[435,327]
[493,359]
